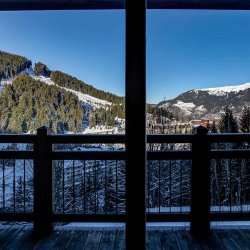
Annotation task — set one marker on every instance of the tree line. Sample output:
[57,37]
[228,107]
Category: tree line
[230,178]
[11,65]
[68,81]
[27,104]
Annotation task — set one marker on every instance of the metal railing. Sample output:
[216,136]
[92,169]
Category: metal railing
[190,177]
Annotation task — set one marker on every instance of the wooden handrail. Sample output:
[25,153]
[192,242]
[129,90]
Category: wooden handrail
[200,154]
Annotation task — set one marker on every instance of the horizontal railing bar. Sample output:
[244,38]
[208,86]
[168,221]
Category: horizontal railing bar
[185,217]
[15,154]
[170,138]
[168,217]
[99,155]
[89,217]
[150,217]
[69,139]
[229,154]
[16,216]
[169,155]
[120,4]
[232,216]
[236,137]
[121,155]
[13,138]
[151,138]
[199,4]
[61,4]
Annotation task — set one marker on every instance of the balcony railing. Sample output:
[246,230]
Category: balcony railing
[195,178]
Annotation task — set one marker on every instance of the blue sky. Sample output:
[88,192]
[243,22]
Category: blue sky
[185,49]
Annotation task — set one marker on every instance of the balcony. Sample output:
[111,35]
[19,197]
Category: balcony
[21,237]
[74,185]
[112,184]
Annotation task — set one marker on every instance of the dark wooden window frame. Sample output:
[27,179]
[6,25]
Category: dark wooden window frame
[135,85]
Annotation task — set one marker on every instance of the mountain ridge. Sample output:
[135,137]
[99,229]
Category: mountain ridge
[209,102]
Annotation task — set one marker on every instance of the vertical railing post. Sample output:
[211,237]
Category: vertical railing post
[42,184]
[200,183]
[135,124]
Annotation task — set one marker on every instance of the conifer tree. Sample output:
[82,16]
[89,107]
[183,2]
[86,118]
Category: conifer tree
[245,120]
[41,69]
[228,123]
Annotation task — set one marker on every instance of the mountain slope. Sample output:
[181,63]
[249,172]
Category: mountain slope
[85,98]
[209,102]
[11,65]
[27,104]
[94,107]
[68,81]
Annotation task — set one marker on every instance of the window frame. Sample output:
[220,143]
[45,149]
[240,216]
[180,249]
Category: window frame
[135,86]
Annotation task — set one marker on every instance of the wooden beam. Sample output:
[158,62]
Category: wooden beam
[120,4]
[199,4]
[43,184]
[60,4]
[200,184]
[135,123]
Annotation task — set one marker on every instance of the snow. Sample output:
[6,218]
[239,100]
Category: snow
[165,105]
[185,106]
[120,120]
[200,108]
[100,130]
[97,103]
[88,225]
[220,91]
[44,79]
[214,224]
[6,81]
[28,71]
[186,209]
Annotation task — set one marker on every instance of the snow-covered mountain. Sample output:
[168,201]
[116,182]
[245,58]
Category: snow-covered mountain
[85,98]
[209,102]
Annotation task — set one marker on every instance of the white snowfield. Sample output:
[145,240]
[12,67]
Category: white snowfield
[165,105]
[220,91]
[184,105]
[44,80]
[97,103]
[188,107]
[200,108]
[101,130]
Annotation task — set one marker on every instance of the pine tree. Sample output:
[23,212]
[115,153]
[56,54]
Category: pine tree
[41,69]
[245,120]
[228,123]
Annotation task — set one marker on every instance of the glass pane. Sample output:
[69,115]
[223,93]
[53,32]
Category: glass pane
[197,74]
[64,70]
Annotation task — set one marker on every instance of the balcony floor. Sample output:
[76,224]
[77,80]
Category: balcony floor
[19,236]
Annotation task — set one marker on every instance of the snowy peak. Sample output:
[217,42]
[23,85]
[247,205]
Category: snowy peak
[209,102]
[224,90]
